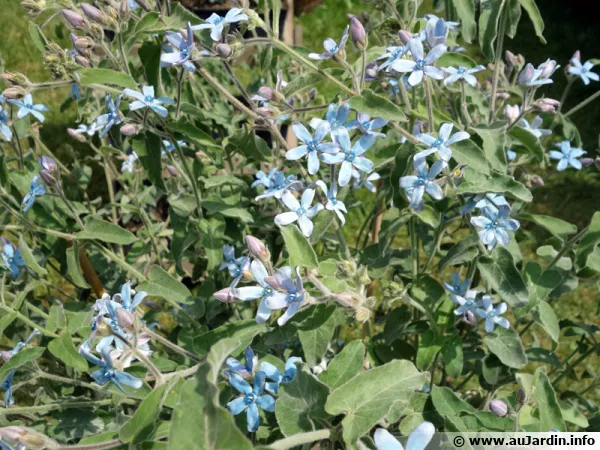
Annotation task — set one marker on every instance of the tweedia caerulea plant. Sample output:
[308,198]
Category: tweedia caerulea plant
[236,243]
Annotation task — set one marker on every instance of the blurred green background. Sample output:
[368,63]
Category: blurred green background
[571,195]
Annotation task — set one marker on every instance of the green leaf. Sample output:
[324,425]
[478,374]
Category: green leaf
[193,134]
[149,54]
[73,267]
[377,106]
[21,358]
[544,315]
[57,320]
[464,250]
[299,249]
[106,76]
[450,59]
[447,403]
[227,210]
[301,403]
[150,23]
[223,180]
[96,228]
[64,350]
[529,141]
[161,284]
[572,415]
[513,11]
[7,318]
[540,282]
[535,16]
[429,346]
[37,37]
[466,14]
[141,425]
[452,354]
[488,26]
[345,366]
[475,183]
[242,331]
[507,346]
[315,341]
[500,273]
[555,226]
[29,259]
[588,242]
[368,398]
[544,356]
[148,147]
[493,139]
[548,406]
[468,152]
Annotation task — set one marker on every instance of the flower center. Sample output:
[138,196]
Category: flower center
[492,314]
[420,65]
[149,99]
[267,292]
[350,157]
[462,70]
[312,146]
[219,21]
[334,200]
[495,223]
[250,398]
[437,142]
[583,70]
[366,125]
[301,211]
[286,379]
[469,303]
[29,106]
[334,49]
[184,52]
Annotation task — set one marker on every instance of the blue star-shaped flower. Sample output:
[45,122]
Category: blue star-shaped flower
[243,370]
[107,372]
[457,286]
[418,439]
[12,258]
[365,125]
[312,145]
[423,181]
[5,131]
[441,144]
[292,301]
[251,400]
[37,189]
[336,117]
[181,50]
[495,226]
[583,71]
[331,47]
[27,107]
[492,315]
[7,383]
[113,117]
[421,65]
[274,374]
[216,23]
[301,211]
[567,156]
[145,99]
[351,157]
[333,204]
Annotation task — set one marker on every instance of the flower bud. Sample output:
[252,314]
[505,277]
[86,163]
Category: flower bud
[266,92]
[547,105]
[470,317]
[536,179]
[25,437]
[75,134]
[83,42]
[405,36]
[14,93]
[92,13]
[358,33]
[256,247]
[264,111]
[224,50]
[362,314]
[74,19]
[225,295]
[499,408]
[363,276]
[50,172]
[345,269]
[526,75]
[347,300]
[172,170]
[15,79]
[82,61]
[586,161]
[577,55]
[129,129]
[511,59]
[124,9]
[521,396]
[312,94]
[547,69]
[5,356]
[597,162]
[124,318]
[371,71]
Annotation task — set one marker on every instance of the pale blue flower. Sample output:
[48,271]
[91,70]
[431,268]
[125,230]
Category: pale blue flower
[37,189]
[367,182]
[391,54]
[272,373]
[492,315]
[423,182]
[90,129]
[264,179]
[351,157]
[229,258]
[236,272]
[75,93]
[179,53]
[365,125]
[534,127]
[5,131]
[453,26]
[11,257]
[265,290]
[292,301]
[133,5]
[511,155]
[462,73]
[252,399]
[279,184]
[495,226]
[418,439]
[331,47]
[467,301]
[421,65]
[168,146]
[540,76]
[243,370]
[336,117]
[333,204]
[107,372]
[145,99]
[216,23]
[480,201]
[312,145]
[7,383]
[302,211]
[27,107]
[129,163]
[567,156]
[435,32]
[113,117]
[457,286]
[583,71]
[441,144]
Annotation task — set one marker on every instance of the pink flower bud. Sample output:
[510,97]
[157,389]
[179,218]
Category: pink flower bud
[83,42]
[371,71]
[224,50]
[74,19]
[547,69]
[13,92]
[511,112]
[264,111]
[511,59]
[5,356]
[499,408]
[225,295]
[586,161]
[92,12]
[172,170]
[12,433]
[547,105]
[75,134]
[577,55]
[266,92]
[129,130]
[536,179]
[49,173]
[405,36]
[124,318]
[256,247]
[470,318]
[526,74]
[357,32]
[82,61]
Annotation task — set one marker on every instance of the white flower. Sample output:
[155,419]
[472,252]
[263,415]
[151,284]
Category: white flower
[534,127]
[462,73]
[333,204]
[441,144]
[128,164]
[302,212]
[216,23]
[422,65]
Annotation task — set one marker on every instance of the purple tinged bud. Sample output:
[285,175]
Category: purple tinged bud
[47,163]
[526,75]
[83,42]
[129,130]
[92,12]
[521,396]
[499,408]
[49,173]
[312,94]
[357,32]
[547,105]
[586,161]
[256,247]
[511,58]
[124,318]
[536,179]
[597,162]
[5,356]
[511,112]
[14,93]
[75,134]
[224,50]
[577,55]
[371,71]
[74,19]
[172,170]
[404,36]
[225,295]
[470,318]
[266,92]
[264,111]
[82,61]
[547,69]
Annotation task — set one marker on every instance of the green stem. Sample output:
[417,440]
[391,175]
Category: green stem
[176,348]
[414,244]
[497,62]
[59,406]
[583,103]
[429,102]
[300,439]
[190,175]
[363,68]
[123,54]
[463,106]
[29,322]
[179,87]
[342,239]
[237,82]
[439,235]
[570,367]
[100,446]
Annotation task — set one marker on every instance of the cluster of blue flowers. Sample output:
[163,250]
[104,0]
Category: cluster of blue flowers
[118,344]
[260,394]
[472,305]
[7,383]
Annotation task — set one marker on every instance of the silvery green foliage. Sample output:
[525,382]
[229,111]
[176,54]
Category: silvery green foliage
[192,213]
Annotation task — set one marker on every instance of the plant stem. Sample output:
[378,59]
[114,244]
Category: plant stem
[463,106]
[190,175]
[429,102]
[498,62]
[363,68]
[64,405]
[301,439]
[238,83]
[179,87]
[414,248]
[570,367]
[176,348]
[342,239]
[103,445]
[439,235]
[122,51]
[583,103]
[29,322]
